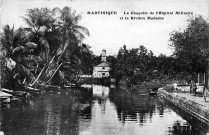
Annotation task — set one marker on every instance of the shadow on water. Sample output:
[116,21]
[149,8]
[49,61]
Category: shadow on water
[132,106]
[95,110]
[49,114]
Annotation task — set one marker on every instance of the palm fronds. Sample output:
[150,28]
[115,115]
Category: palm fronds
[33,48]
[18,49]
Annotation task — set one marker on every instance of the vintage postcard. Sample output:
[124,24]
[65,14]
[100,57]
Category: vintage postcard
[104,67]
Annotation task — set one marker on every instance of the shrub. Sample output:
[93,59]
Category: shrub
[169,88]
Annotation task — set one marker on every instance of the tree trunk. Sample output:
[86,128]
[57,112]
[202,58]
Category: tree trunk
[54,73]
[38,77]
[206,76]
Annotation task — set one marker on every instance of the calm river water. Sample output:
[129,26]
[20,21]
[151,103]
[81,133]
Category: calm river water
[96,110]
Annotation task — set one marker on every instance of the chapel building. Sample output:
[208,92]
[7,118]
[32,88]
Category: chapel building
[102,70]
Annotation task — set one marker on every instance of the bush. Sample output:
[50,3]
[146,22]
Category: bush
[169,88]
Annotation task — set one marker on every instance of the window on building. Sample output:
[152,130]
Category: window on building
[103,74]
[103,67]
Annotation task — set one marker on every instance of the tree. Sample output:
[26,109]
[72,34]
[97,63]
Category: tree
[191,45]
[41,25]
[53,39]
[133,65]
[71,35]
[18,51]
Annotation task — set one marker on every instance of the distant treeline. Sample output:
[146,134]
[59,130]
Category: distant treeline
[190,53]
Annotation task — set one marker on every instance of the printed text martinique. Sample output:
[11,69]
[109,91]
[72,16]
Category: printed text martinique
[102,12]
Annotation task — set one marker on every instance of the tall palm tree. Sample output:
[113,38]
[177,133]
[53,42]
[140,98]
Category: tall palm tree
[41,24]
[18,53]
[30,52]
[40,21]
[70,36]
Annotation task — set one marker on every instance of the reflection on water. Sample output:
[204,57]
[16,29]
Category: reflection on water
[100,91]
[95,110]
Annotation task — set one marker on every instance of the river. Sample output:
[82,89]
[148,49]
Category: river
[96,110]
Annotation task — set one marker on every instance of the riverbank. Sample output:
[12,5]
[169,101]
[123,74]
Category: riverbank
[99,81]
[143,87]
[190,103]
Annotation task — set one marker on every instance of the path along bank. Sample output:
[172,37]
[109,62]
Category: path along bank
[190,103]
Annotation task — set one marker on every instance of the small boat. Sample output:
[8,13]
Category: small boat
[15,93]
[39,89]
[5,97]
[69,85]
[32,89]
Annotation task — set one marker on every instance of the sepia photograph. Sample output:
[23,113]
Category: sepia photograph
[104,67]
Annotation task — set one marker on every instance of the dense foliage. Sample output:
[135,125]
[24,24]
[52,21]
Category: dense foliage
[52,45]
[190,51]
[191,46]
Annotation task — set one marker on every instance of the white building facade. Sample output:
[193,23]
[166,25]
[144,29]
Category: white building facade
[102,70]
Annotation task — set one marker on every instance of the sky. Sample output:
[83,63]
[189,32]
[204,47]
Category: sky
[110,32]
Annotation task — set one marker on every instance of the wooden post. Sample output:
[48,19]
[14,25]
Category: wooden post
[204,78]
[198,78]
[206,74]
[207,61]
[0,76]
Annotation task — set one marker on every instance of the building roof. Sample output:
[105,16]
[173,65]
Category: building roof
[103,64]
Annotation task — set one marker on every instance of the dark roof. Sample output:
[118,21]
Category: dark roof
[103,64]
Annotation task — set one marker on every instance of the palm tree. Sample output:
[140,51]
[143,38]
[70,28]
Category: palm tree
[40,21]
[41,24]
[18,53]
[70,36]
[51,44]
